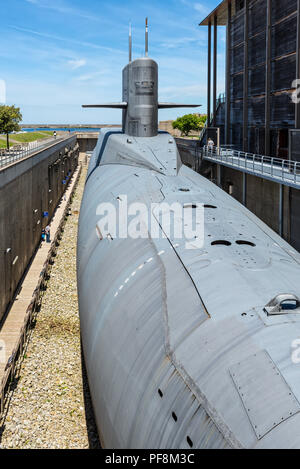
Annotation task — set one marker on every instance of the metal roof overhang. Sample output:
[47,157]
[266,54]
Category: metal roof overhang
[220,12]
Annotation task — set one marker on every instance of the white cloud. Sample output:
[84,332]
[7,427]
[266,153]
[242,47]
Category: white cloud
[65,39]
[87,77]
[62,7]
[174,43]
[2,92]
[201,8]
[75,64]
[195,40]
[92,76]
[85,66]
[177,91]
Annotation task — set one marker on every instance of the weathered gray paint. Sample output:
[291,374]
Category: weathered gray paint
[140,91]
[140,95]
[156,317]
[164,328]
[140,99]
[253,377]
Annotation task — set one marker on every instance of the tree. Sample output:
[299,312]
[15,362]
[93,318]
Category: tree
[203,119]
[10,116]
[189,122]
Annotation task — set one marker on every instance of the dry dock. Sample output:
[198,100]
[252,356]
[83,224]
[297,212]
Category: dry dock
[48,404]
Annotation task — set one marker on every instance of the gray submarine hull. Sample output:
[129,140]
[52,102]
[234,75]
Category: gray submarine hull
[179,349]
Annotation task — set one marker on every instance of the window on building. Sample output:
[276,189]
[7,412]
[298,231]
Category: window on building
[240,5]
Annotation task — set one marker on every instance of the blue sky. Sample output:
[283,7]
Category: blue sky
[58,54]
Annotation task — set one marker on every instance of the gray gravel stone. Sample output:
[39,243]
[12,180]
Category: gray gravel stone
[49,404]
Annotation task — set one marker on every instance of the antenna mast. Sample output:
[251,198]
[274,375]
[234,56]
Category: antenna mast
[146,39]
[140,95]
[130,43]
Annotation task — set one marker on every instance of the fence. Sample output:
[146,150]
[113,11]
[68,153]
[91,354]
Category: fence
[19,152]
[286,172]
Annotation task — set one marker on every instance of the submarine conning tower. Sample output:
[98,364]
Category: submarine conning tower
[140,95]
[140,92]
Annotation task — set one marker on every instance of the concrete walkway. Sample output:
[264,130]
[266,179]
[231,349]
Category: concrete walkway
[11,329]
[286,172]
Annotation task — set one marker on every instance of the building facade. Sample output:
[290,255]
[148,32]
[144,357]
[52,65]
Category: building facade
[260,114]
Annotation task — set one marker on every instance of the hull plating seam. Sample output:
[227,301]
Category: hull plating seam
[107,135]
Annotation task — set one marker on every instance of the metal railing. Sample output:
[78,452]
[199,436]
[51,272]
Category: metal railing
[194,148]
[19,152]
[221,100]
[285,172]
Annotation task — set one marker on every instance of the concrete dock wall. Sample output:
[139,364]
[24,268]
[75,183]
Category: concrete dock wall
[262,198]
[28,189]
[87,141]
[294,201]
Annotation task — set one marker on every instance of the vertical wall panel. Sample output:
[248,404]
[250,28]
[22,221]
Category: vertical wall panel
[257,19]
[284,37]
[283,71]
[283,8]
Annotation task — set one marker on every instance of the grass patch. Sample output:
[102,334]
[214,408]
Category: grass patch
[2,144]
[30,136]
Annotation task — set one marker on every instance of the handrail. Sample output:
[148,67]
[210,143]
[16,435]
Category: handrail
[23,151]
[284,171]
[221,100]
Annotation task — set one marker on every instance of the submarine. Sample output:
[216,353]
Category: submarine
[187,345]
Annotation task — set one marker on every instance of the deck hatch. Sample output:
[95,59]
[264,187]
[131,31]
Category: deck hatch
[266,396]
[283,304]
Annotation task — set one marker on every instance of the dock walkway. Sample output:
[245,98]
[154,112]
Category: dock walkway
[14,329]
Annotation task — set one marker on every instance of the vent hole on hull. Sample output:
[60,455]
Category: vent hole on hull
[184,190]
[241,242]
[209,206]
[191,206]
[174,416]
[221,242]
[190,443]
[160,393]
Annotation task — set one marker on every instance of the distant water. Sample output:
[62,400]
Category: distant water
[65,129]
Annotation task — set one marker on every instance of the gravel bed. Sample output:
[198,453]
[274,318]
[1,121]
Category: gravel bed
[49,403]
